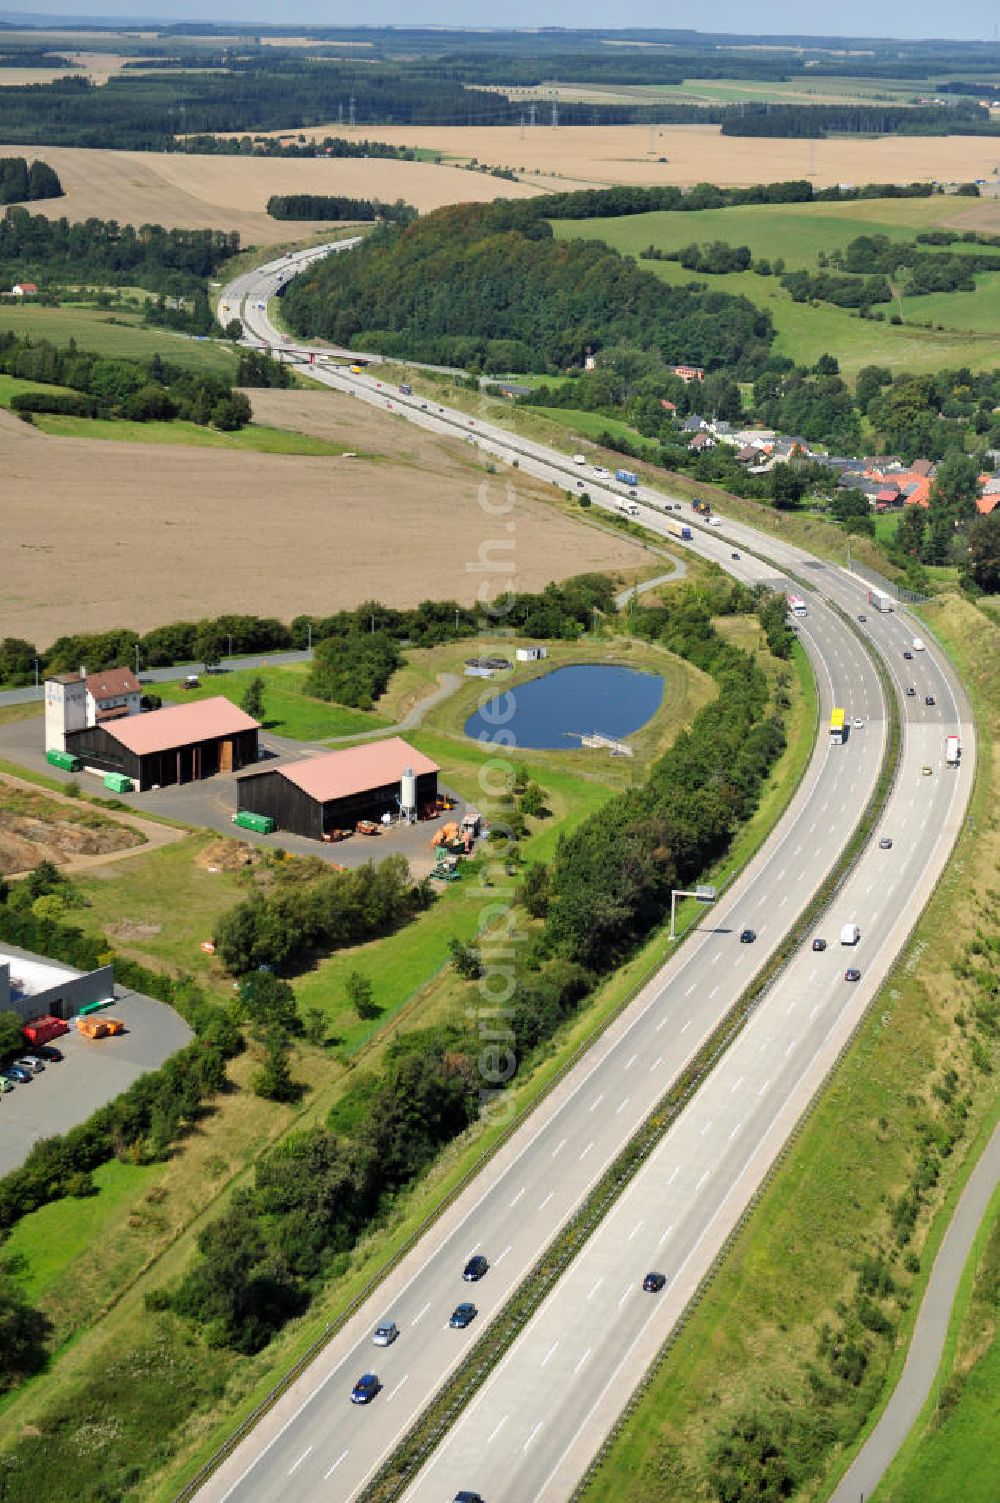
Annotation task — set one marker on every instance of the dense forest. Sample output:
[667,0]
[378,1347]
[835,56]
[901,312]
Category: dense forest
[488,285]
[20,183]
[255,88]
[54,250]
[331,206]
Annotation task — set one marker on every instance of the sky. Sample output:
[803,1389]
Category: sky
[895,18]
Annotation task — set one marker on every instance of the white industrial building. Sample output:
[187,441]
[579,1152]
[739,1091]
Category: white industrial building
[76,701]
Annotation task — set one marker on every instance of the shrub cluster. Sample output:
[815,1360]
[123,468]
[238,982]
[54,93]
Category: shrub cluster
[301,918]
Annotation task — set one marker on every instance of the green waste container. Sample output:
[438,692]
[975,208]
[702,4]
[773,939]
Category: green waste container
[261,824]
[63,759]
[117,782]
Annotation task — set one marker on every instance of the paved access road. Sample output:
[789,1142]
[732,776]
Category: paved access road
[175,672]
[546,1408]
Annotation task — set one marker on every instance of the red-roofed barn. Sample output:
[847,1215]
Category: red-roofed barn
[333,791]
[178,744]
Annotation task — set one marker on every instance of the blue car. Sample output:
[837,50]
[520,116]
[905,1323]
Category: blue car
[365,1389]
[18,1073]
[463,1315]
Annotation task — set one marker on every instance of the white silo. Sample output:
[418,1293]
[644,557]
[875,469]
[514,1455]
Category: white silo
[408,795]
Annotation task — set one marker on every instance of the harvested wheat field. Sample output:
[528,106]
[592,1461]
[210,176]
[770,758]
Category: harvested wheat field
[231,193]
[95,535]
[701,154]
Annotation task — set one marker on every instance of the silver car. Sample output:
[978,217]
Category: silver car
[385,1333]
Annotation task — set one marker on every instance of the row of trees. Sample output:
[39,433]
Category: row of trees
[489,284]
[333,206]
[102,387]
[20,183]
[280,146]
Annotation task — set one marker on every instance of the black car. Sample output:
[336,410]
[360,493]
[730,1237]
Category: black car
[908,655]
[748,936]
[464,1497]
[734,555]
[654,1282]
[365,1389]
[929,699]
[49,1052]
[475,1269]
[819,944]
[852,974]
[463,1315]
[862,618]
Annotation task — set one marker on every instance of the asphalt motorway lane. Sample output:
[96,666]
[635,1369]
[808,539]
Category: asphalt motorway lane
[545,1409]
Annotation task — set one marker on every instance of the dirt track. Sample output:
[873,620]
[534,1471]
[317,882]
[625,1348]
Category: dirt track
[95,535]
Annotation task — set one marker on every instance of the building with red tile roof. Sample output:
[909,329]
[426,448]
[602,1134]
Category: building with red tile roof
[178,744]
[317,795]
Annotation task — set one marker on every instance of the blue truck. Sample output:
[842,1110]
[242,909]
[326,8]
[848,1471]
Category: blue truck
[626,477]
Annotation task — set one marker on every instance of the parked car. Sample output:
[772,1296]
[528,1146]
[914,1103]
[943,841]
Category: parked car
[365,1389]
[747,936]
[385,1333]
[852,974]
[654,1282]
[6,1084]
[32,1062]
[18,1073]
[463,1315]
[49,1052]
[885,844]
[475,1269]
[819,944]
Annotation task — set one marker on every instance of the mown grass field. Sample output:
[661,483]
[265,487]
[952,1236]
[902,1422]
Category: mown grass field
[121,335]
[795,232]
[288,709]
[256,438]
[965,327]
[751,1341]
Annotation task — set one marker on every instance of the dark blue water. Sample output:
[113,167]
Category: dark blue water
[613,701]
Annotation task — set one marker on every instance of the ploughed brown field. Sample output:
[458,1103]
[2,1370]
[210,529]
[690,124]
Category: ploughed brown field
[700,154]
[95,534]
[231,193]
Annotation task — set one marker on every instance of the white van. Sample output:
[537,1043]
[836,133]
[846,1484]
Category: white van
[918,644]
[579,459]
[850,934]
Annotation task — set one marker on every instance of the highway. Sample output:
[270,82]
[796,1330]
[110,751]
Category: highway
[532,1430]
